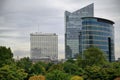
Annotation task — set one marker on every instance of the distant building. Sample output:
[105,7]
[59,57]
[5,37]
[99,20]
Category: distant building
[44,46]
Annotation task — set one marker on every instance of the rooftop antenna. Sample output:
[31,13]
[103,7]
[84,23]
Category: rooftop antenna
[38,27]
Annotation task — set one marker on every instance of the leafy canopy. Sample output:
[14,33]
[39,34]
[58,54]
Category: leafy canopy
[94,56]
[6,56]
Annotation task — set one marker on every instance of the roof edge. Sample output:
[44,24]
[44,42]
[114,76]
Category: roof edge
[100,19]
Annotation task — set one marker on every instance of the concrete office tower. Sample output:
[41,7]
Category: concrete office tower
[98,32]
[73,25]
[44,46]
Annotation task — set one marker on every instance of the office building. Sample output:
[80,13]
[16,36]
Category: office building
[98,32]
[73,25]
[44,46]
[82,30]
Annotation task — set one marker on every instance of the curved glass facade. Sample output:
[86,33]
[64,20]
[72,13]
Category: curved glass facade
[98,32]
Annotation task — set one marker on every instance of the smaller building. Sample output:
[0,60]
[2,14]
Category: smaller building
[44,46]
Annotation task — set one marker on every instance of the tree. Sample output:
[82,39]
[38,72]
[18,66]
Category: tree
[49,65]
[100,73]
[38,68]
[24,63]
[9,72]
[39,77]
[6,56]
[56,67]
[77,78]
[93,56]
[116,66]
[70,60]
[57,75]
[93,73]
[70,68]
[79,61]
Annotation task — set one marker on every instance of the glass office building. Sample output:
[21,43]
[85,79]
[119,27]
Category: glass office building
[73,25]
[97,32]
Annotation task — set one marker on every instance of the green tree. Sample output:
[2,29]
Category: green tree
[56,67]
[9,72]
[24,63]
[6,56]
[93,73]
[57,75]
[106,72]
[70,60]
[79,61]
[116,66]
[70,68]
[38,68]
[93,56]
[48,65]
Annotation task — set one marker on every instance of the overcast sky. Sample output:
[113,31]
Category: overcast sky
[19,18]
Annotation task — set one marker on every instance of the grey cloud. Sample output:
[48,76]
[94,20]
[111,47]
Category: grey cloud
[21,54]
[2,2]
[117,2]
[74,1]
[12,37]
[5,30]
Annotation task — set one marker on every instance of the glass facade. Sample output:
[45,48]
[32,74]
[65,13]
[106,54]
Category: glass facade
[98,32]
[73,26]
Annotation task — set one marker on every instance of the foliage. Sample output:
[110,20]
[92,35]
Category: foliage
[116,66]
[38,68]
[93,73]
[91,66]
[79,61]
[76,78]
[5,56]
[93,56]
[24,63]
[70,61]
[56,67]
[57,75]
[39,77]
[48,65]
[70,68]
[8,72]
[100,73]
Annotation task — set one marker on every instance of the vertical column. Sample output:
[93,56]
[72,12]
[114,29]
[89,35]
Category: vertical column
[109,46]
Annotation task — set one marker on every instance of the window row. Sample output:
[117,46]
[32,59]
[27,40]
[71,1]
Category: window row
[96,28]
[96,33]
[96,23]
[94,37]
[100,47]
[95,42]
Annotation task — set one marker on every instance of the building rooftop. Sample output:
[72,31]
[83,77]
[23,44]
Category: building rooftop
[43,34]
[101,19]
